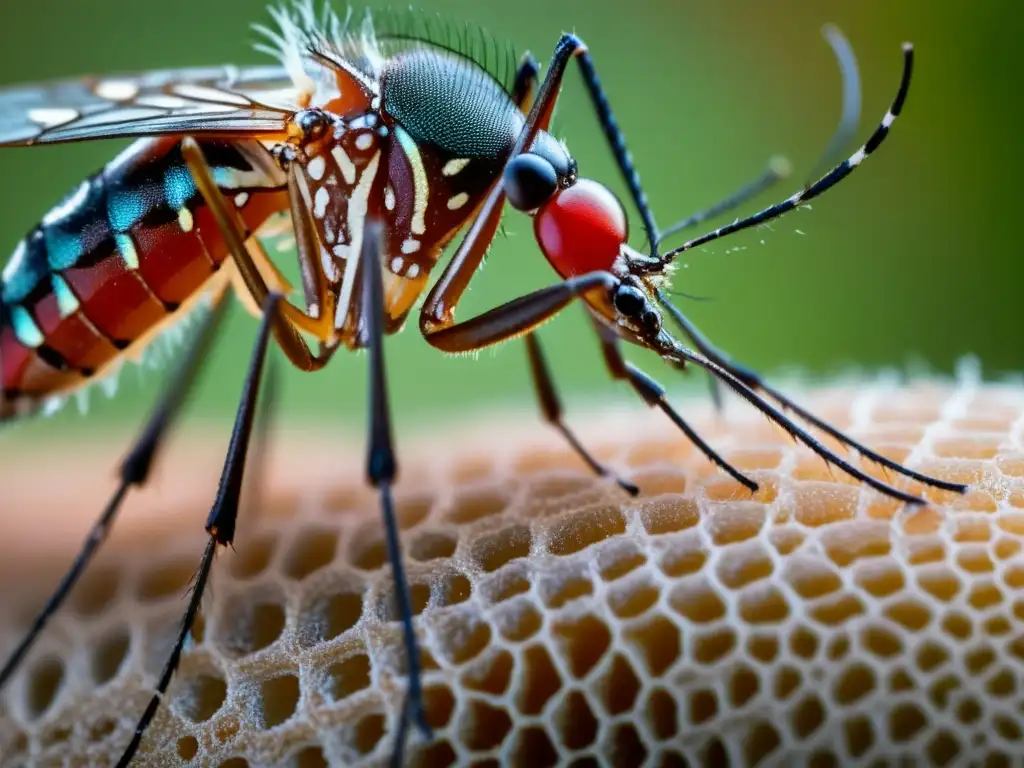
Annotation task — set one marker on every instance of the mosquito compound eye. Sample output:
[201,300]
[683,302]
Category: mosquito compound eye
[629,301]
[581,229]
[529,181]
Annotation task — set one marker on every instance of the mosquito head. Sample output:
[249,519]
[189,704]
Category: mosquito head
[582,227]
[579,224]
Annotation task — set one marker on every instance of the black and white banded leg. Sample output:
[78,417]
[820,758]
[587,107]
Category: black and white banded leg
[812,191]
[778,168]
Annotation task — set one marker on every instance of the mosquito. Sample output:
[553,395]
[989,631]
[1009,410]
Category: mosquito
[380,144]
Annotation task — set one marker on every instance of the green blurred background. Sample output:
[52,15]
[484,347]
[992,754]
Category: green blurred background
[915,258]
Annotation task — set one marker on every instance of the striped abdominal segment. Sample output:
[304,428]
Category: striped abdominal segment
[116,260]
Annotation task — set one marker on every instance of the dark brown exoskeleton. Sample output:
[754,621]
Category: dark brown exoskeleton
[381,148]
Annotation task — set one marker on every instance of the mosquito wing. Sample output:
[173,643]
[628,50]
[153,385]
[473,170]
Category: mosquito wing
[228,101]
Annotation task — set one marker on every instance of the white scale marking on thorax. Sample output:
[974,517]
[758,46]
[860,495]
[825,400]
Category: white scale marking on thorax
[348,168]
[316,167]
[357,207]
[453,167]
[320,202]
[457,201]
[329,266]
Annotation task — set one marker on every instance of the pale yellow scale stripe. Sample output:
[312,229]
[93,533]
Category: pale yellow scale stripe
[421,187]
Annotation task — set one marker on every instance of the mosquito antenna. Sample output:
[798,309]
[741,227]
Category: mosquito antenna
[778,169]
[684,295]
[826,182]
[850,116]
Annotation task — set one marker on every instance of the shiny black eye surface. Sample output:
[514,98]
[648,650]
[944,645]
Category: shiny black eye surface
[529,181]
[312,122]
[629,301]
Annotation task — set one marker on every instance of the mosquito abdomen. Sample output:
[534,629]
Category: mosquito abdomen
[116,261]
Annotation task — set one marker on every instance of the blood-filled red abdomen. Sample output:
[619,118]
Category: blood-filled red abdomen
[117,259]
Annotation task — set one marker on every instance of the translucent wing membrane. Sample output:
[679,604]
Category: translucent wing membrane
[251,101]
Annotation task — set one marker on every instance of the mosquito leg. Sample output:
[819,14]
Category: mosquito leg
[523,94]
[654,395]
[134,471]
[617,142]
[438,310]
[524,314]
[518,316]
[778,169]
[808,193]
[319,300]
[382,469]
[752,380]
[527,312]
[230,227]
[266,417]
[551,406]
[850,115]
[776,416]
[525,86]
[223,516]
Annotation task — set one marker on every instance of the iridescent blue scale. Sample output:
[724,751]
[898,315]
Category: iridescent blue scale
[179,187]
[125,208]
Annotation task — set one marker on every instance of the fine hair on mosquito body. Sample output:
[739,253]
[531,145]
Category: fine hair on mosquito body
[382,140]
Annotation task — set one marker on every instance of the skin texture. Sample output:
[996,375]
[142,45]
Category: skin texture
[816,617]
